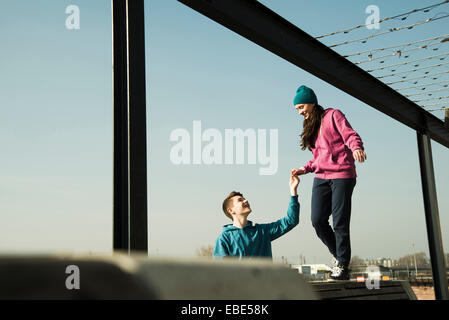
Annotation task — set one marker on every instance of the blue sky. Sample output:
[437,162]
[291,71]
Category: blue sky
[56,130]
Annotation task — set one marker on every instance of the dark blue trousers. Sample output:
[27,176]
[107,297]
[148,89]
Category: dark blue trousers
[333,197]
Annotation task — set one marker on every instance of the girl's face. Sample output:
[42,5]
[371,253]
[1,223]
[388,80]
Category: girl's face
[305,109]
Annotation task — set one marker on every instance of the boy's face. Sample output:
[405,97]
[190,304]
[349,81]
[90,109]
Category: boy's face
[239,206]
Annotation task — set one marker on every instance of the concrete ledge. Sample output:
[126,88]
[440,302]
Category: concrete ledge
[352,290]
[227,279]
[139,277]
[44,277]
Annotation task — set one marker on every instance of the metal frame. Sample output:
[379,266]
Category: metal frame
[130,227]
[446,118]
[257,23]
[432,217]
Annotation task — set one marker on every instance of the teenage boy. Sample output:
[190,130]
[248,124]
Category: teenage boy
[242,238]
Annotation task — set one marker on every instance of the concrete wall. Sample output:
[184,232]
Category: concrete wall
[139,277]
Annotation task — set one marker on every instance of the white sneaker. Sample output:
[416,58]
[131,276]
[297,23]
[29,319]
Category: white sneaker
[336,271]
[341,273]
[334,262]
[335,267]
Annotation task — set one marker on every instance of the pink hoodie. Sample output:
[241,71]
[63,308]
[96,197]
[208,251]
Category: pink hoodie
[332,155]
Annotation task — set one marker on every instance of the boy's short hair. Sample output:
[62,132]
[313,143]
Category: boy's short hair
[227,201]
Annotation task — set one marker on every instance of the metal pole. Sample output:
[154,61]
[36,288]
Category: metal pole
[138,223]
[120,101]
[432,217]
[446,118]
[414,258]
[130,229]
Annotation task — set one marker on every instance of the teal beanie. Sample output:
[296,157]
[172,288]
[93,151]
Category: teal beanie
[304,95]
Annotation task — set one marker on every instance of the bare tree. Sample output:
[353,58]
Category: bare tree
[356,261]
[205,251]
[409,260]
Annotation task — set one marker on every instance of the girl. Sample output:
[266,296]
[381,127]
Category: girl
[335,146]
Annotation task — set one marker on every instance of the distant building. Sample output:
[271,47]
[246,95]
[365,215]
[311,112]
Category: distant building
[385,273]
[384,262]
[313,271]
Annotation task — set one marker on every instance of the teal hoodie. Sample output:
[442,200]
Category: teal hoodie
[255,240]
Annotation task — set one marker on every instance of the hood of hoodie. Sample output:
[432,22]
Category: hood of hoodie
[230,227]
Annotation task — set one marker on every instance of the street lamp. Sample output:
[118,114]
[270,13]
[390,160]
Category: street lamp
[414,256]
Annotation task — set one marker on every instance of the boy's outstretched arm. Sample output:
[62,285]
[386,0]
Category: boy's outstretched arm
[294,182]
[282,226]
